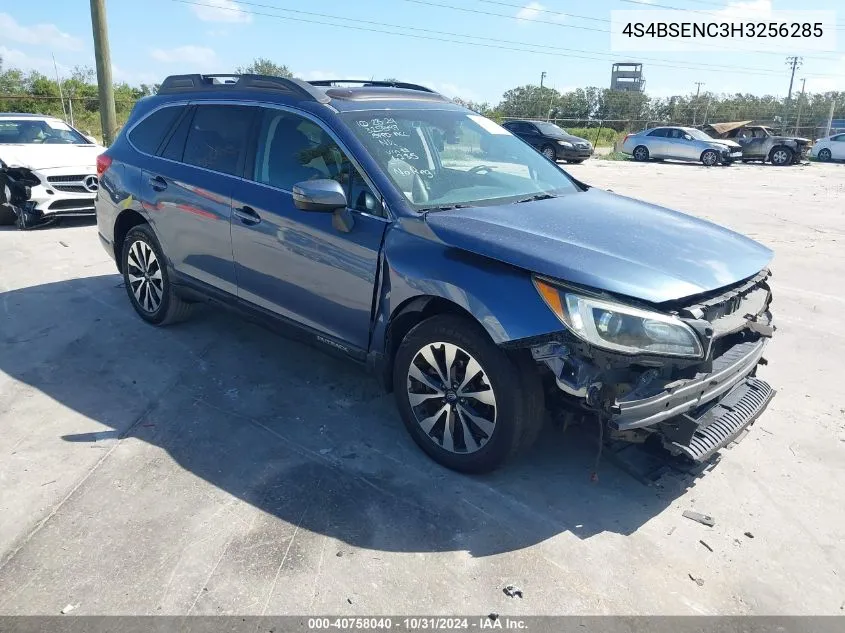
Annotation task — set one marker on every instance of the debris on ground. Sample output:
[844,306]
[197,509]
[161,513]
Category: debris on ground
[700,518]
[493,617]
[705,545]
[63,243]
[697,581]
[339,554]
[349,600]
[749,535]
[69,608]
[671,529]
[511,591]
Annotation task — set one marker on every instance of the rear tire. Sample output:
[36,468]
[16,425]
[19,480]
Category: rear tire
[549,152]
[640,153]
[490,403]
[781,156]
[147,280]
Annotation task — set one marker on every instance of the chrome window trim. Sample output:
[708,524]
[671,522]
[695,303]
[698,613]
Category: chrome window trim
[276,106]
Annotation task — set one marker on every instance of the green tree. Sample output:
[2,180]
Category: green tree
[264,66]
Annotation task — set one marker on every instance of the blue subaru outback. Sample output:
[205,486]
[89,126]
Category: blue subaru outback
[484,285]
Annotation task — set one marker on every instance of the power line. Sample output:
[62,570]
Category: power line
[583,28]
[498,42]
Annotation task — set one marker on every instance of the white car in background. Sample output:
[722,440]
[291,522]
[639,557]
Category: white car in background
[54,162]
[830,148]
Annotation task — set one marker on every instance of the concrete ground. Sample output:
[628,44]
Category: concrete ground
[214,468]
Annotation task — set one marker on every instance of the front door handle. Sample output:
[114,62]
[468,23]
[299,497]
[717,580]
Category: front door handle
[158,183]
[247,215]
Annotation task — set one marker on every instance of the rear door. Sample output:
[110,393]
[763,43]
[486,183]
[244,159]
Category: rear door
[656,143]
[188,194]
[296,263]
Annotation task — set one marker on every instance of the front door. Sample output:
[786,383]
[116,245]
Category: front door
[296,263]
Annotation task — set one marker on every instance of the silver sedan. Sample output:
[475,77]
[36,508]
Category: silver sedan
[681,143]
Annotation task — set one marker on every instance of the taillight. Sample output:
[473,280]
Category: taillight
[627,136]
[103,163]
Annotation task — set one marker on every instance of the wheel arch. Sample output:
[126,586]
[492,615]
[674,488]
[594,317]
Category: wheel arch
[776,148]
[125,222]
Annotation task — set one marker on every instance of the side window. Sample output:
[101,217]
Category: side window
[838,137]
[151,131]
[660,132]
[174,147]
[292,149]
[217,138]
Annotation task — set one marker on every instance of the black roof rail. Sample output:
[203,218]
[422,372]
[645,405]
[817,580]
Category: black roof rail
[195,83]
[368,83]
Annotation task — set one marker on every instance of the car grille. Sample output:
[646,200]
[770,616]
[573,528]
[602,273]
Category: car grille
[70,184]
[77,204]
[726,309]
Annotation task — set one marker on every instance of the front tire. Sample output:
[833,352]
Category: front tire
[640,153]
[464,400]
[147,280]
[549,152]
[825,155]
[781,156]
[709,157]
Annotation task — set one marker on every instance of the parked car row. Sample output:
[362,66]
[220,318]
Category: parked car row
[482,287]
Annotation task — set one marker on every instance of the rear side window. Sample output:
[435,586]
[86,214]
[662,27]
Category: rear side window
[217,138]
[151,131]
[661,133]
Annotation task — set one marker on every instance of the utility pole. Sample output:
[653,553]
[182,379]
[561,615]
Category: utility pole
[108,118]
[800,105]
[698,85]
[542,78]
[830,118]
[795,62]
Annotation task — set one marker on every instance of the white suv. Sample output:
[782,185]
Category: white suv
[56,162]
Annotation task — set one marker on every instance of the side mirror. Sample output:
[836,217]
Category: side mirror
[323,195]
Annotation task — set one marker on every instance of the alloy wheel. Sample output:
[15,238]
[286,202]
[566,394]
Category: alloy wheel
[451,398]
[709,158]
[144,272]
[549,153]
[641,153]
[780,157]
[824,155]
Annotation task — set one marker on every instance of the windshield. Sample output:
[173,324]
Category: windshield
[698,135]
[443,158]
[35,131]
[550,129]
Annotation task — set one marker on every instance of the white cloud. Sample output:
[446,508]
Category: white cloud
[18,59]
[537,11]
[200,55]
[221,11]
[38,34]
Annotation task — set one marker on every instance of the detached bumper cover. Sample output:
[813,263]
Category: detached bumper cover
[700,434]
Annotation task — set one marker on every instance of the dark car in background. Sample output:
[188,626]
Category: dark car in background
[482,283]
[552,141]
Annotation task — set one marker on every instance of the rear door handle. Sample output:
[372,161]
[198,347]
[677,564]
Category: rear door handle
[247,215]
[158,183]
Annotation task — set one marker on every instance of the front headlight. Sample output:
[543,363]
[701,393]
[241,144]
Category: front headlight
[566,144]
[619,327]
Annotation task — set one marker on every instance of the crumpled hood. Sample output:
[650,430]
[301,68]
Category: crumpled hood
[728,142]
[37,156]
[608,242]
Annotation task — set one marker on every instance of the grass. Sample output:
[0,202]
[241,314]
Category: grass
[606,135]
[613,156]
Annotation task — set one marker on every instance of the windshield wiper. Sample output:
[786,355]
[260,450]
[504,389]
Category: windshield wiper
[539,196]
[445,207]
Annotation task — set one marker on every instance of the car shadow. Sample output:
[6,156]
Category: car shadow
[305,437]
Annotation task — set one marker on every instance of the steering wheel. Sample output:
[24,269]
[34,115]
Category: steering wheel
[482,170]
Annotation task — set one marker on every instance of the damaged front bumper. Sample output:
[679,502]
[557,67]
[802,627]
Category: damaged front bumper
[33,199]
[695,407]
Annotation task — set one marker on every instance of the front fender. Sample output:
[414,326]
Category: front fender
[499,296]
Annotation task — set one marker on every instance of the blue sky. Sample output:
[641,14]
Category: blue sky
[153,38]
